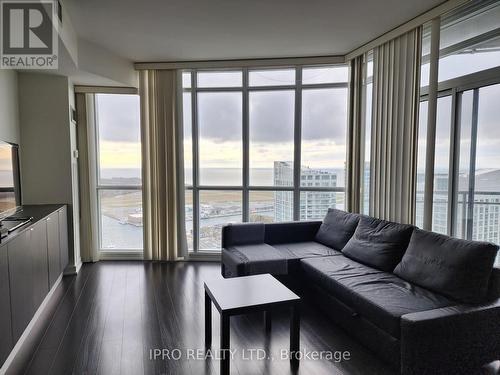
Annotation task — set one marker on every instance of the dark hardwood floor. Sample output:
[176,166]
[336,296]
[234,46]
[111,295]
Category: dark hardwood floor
[109,318]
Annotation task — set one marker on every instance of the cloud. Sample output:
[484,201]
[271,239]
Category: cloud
[320,155]
[324,115]
[220,116]
[118,117]
[115,154]
[272,116]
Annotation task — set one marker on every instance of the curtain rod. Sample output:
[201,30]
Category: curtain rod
[80,89]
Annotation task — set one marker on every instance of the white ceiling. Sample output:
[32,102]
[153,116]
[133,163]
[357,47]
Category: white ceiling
[181,30]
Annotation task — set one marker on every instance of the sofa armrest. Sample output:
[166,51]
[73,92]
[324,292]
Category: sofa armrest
[293,231]
[242,234]
[450,340]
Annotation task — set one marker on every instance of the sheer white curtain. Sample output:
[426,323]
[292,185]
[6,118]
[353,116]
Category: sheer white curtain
[162,166]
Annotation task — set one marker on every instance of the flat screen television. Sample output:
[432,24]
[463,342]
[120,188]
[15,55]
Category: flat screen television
[10,180]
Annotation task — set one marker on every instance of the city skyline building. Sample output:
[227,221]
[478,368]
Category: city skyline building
[313,204]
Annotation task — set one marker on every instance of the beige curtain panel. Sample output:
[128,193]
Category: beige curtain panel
[162,176]
[396,82]
[85,121]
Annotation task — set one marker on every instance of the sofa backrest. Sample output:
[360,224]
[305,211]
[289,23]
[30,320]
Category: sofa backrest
[242,234]
[277,233]
[458,269]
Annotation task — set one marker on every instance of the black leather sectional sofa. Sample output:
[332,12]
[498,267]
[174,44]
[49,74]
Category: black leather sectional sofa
[424,302]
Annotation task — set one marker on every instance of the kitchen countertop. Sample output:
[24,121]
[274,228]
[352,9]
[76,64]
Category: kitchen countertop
[36,211]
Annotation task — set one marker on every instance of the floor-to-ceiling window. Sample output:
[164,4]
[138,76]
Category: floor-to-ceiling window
[118,187]
[466,195]
[264,144]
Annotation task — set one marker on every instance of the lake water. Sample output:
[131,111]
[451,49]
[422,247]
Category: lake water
[215,176]
[116,235]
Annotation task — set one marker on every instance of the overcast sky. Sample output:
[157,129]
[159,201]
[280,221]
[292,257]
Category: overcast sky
[5,156]
[119,131]
[118,117]
[324,119]
[488,145]
[6,175]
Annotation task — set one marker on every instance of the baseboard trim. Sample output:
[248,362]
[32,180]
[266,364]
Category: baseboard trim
[204,257]
[17,347]
[109,255]
[73,269]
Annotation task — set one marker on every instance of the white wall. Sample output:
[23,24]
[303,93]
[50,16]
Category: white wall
[94,59]
[45,102]
[9,110]
[45,151]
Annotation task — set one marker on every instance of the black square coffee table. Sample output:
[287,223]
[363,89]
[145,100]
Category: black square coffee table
[243,295]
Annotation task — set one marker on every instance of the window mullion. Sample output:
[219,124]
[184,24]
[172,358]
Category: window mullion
[362,150]
[297,143]
[454,161]
[472,165]
[246,147]
[195,136]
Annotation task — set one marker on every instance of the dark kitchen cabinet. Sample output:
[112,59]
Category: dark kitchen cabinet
[38,242]
[54,250]
[5,320]
[32,258]
[21,282]
[63,237]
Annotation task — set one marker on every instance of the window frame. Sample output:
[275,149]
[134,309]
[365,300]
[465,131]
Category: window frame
[246,188]
[455,88]
[96,187]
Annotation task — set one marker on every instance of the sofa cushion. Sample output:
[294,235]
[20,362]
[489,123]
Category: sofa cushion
[380,297]
[337,228]
[254,259]
[458,269]
[378,243]
[299,250]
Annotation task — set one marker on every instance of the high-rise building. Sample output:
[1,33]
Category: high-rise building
[313,204]
[365,203]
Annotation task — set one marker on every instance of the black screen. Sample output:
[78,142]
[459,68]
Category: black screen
[10,193]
